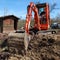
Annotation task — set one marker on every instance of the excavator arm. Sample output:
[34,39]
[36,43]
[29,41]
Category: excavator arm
[32,8]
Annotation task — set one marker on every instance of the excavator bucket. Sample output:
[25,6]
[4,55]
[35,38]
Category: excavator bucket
[27,39]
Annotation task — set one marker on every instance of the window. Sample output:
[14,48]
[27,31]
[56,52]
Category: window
[41,10]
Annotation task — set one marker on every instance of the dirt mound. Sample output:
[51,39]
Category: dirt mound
[40,49]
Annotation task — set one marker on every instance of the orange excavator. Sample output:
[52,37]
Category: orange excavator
[41,20]
[41,17]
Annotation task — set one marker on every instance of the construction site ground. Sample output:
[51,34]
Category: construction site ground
[41,47]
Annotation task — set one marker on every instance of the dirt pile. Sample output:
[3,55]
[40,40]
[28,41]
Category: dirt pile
[39,49]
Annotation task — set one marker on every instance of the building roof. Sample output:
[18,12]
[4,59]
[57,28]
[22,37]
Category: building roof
[9,16]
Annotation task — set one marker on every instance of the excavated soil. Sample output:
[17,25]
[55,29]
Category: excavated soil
[39,49]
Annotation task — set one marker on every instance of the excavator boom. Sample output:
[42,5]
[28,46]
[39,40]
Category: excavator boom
[32,8]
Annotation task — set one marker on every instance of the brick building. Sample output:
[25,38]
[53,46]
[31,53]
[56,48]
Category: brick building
[8,23]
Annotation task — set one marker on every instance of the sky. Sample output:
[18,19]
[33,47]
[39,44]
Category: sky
[19,7]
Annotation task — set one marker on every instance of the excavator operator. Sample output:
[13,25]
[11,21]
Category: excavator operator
[42,17]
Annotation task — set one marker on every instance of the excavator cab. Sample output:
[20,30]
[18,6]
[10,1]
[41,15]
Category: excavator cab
[43,11]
